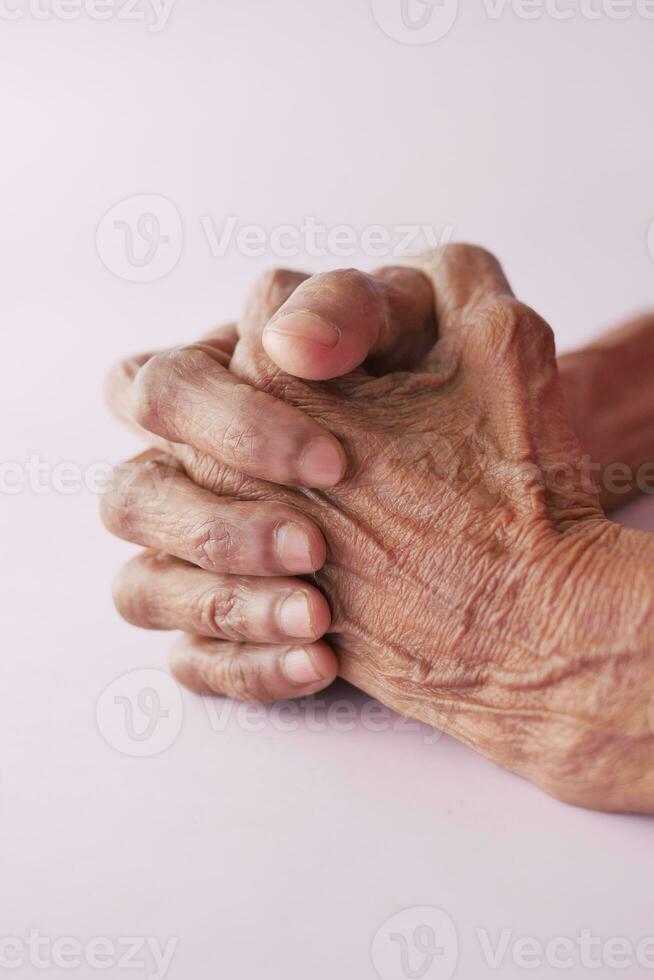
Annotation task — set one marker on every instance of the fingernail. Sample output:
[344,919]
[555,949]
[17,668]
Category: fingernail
[322,465]
[299,668]
[294,548]
[305,326]
[295,616]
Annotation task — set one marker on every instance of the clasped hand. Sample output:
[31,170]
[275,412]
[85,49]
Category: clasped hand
[393,462]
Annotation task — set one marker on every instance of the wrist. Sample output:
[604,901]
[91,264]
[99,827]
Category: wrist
[604,747]
[611,405]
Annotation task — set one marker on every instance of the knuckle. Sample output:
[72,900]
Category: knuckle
[464,263]
[118,381]
[147,392]
[353,278]
[454,256]
[145,477]
[214,544]
[221,613]
[117,503]
[240,438]
[248,400]
[507,324]
[466,253]
[212,474]
[237,676]
[117,374]
[153,562]
[538,333]
[122,594]
[157,385]
[132,599]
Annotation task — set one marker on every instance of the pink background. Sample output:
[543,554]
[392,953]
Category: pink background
[273,853]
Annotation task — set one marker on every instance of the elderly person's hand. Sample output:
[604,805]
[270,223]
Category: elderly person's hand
[473,580]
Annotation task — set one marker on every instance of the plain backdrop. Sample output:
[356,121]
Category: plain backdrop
[271,848]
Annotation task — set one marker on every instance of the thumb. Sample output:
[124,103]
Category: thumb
[335,321]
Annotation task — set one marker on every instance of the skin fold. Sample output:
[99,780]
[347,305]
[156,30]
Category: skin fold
[460,561]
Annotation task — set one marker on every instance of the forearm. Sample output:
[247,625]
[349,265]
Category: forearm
[610,395]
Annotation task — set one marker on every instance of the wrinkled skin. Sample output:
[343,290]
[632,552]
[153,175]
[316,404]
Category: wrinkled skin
[474,581]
